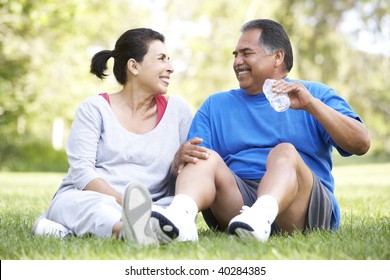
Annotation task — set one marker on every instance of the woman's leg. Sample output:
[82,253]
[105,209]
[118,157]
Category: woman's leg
[86,212]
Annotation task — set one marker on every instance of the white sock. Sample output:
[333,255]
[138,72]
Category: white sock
[268,206]
[182,202]
[121,235]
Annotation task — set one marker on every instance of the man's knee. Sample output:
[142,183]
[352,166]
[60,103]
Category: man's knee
[214,156]
[214,160]
[285,147]
[283,152]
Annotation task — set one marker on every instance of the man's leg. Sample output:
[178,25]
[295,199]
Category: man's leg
[289,180]
[211,184]
[283,194]
[205,184]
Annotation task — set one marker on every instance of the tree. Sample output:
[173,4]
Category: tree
[44,70]
[46,47]
[322,52]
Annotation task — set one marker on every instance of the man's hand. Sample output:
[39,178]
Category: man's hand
[300,97]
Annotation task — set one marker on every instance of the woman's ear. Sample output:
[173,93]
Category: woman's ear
[132,65]
[279,58]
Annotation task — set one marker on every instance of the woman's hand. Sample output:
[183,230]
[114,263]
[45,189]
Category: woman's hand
[189,152]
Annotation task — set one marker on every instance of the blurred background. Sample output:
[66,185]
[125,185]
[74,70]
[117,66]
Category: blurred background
[46,47]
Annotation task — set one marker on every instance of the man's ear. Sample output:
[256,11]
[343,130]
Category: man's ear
[279,58]
[132,65]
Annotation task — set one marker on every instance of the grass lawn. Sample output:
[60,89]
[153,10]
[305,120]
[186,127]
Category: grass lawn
[363,192]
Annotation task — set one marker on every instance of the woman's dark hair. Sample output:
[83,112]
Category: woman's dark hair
[273,37]
[134,44]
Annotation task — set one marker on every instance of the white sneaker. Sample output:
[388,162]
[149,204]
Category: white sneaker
[249,225]
[136,210]
[169,225]
[46,227]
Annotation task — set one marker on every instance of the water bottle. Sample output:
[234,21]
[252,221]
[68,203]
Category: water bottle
[279,101]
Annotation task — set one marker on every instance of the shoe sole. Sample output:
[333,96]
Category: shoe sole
[241,229]
[244,231]
[137,208]
[164,229]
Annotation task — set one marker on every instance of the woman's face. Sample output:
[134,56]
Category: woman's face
[155,69]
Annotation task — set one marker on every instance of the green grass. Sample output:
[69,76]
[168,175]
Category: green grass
[363,192]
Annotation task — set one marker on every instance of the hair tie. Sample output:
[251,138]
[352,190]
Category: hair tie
[114,53]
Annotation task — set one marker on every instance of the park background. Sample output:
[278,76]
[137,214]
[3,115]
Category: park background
[46,47]
[45,52]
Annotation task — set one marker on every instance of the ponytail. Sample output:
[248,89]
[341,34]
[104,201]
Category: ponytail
[99,63]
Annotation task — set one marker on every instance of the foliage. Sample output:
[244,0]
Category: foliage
[35,155]
[44,70]
[322,52]
[46,47]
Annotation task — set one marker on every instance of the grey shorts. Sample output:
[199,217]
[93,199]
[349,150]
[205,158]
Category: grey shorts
[318,216]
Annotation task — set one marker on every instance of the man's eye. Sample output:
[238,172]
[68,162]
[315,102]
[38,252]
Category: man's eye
[243,54]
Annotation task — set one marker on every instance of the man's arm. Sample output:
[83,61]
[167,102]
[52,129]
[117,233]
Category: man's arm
[348,133]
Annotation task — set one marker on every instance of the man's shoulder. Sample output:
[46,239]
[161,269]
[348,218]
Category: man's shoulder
[309,84]
[316,88]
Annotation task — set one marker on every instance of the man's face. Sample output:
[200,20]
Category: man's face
[252,64]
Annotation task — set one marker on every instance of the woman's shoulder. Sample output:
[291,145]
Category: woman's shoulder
[94,101]
[93,105]
[177,101]
[178,106]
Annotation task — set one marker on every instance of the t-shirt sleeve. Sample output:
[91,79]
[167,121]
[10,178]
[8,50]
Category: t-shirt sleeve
[335,101]
[82,145]
[200,126]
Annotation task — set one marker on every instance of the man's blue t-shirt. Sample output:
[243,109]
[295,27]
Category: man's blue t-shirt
[243,129]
